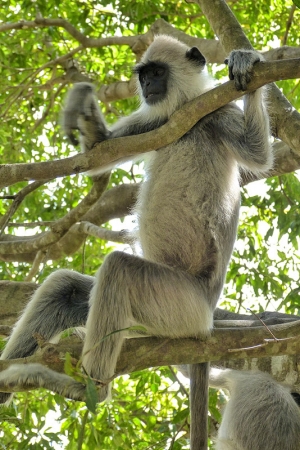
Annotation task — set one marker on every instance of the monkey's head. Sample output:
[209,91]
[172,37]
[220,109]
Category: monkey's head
[170,74]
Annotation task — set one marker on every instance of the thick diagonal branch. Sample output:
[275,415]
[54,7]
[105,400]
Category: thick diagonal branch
[180,122]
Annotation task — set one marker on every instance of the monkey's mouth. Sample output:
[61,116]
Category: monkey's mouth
[153,98]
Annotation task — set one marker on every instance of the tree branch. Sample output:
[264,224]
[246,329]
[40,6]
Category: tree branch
[101,233]
[41,22]
[180,122]
[211,48]
[60,227]
[285,119]
[141,353]
[18,198]
[116,202]
[284,368]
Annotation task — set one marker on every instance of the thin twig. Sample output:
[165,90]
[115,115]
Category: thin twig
[289,24]
[274,337]
[40,257]
[18,200]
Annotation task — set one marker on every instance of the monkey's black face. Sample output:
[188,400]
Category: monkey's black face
[153,78]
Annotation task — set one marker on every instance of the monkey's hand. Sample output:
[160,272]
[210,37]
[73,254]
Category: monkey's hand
[240,65]
[81,112]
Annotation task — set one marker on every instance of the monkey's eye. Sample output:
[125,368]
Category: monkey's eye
[158,72]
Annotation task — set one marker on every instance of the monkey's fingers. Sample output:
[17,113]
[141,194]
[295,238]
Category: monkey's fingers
[241,80]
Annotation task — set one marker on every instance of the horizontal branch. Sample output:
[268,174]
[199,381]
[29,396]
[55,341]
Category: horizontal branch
[142,353]
[180,122]
[151,352]
[147,352]
[277,319]
[101,233]
[41,22]
[211,48]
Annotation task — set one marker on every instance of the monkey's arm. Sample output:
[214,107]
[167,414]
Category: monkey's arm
[247,135]
[81,112]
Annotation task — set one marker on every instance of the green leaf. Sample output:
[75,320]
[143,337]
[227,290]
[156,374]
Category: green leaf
[181,415]
[91,396]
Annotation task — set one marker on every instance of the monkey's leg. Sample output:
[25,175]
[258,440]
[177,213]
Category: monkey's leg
[60,302]
[132,291]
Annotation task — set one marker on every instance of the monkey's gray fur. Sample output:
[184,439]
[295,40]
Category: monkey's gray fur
[260,415]
[187,210]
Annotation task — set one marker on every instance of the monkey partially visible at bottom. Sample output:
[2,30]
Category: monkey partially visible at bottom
[261,413]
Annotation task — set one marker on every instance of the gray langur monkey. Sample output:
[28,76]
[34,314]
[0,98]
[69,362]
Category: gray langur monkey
[188,209]
[261,414]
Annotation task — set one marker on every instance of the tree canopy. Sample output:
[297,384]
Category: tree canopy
[53,216]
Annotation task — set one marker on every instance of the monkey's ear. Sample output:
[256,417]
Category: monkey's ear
[194,54]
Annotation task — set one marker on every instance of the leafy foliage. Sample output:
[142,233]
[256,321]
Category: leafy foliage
[150,408]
